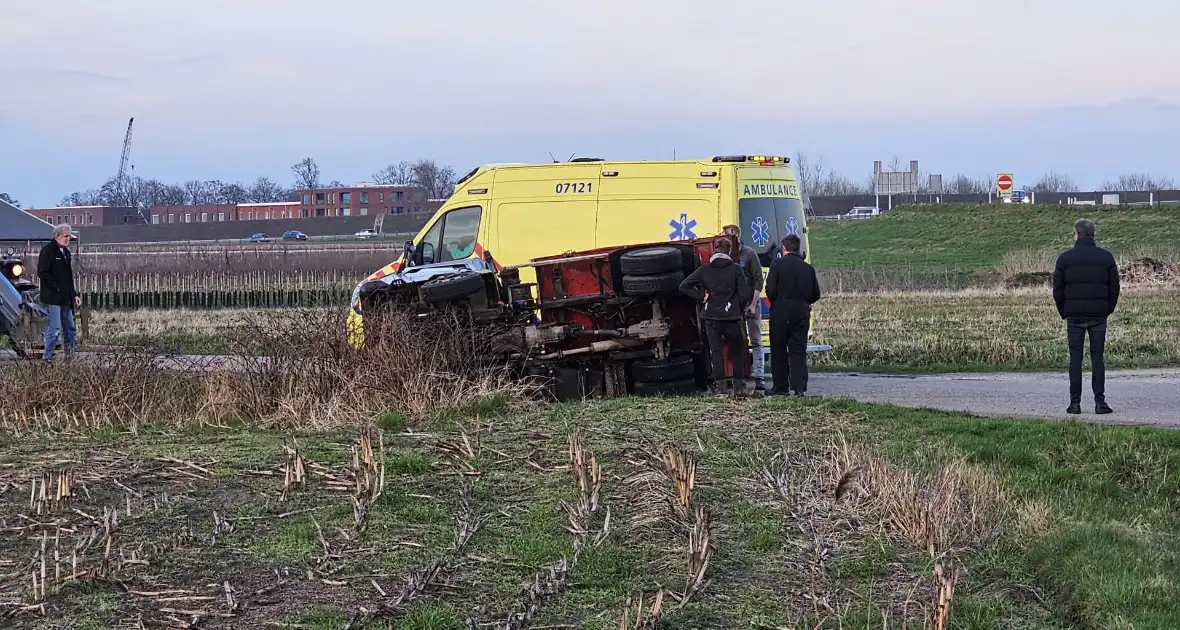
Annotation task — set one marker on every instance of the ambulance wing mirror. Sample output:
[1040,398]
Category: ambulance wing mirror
[425,254]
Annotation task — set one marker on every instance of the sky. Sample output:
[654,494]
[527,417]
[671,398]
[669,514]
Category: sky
[234,89]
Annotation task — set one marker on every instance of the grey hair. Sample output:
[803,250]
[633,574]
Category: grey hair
[1085,227]
[61,229]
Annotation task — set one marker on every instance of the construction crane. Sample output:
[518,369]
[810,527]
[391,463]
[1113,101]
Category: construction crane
[124,186]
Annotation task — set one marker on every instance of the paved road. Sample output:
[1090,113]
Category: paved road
[1139,397]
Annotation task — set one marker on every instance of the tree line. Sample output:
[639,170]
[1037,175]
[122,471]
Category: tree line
[144,194]
[819,180]
[439,181]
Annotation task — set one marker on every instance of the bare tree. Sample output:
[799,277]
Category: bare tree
[8,198]
[960,184]
[307,174]
[263,190]
[199,192]
[810,173]
[837,185]
[1139,182]
[439,181]
[335,184]
[1054,182]
[399,174]
[234,193]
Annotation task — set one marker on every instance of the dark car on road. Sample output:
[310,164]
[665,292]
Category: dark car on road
[261,238]
[294,235]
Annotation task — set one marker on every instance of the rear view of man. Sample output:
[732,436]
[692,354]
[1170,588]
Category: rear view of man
[1086,291]
[752,267]
[55,270]
[723,287]
[792,288]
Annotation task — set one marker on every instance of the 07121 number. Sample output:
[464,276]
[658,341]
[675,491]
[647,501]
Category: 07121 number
[573,187]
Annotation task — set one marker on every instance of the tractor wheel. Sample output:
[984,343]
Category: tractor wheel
[653,285]
[681,387]
[655,371]
[651,260]
[452,287]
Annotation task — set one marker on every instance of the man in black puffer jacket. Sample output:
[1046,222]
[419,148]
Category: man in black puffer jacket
[727,294]
[1086,290]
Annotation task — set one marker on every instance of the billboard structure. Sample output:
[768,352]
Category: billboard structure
[895,182]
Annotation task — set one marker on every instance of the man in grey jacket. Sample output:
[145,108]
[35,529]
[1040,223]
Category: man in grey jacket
[752,268]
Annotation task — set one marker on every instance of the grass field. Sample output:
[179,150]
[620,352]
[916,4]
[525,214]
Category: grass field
[1008,238]
[986,330]
[974,330]
[753,514]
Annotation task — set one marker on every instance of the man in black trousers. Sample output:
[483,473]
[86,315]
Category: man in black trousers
[722,285]
[1086,291]
[792,287]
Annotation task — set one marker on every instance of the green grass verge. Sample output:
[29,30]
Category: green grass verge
[976,238]
[983,331]
[1081,530]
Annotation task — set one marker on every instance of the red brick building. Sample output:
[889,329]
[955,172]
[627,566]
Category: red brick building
[205,213]
[81,216]
[269,210]
[363,199]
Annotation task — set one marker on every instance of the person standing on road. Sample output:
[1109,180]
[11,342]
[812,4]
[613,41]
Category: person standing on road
[1086,291]
[752,267]
[792,287]
[723,287]
[55,270]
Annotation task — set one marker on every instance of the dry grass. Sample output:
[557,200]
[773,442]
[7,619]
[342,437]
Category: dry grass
[309,377]
[981,329]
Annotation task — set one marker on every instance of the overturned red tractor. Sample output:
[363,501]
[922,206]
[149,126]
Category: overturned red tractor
[609,321]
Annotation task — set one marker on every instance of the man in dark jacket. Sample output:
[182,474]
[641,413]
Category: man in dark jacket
[748,260]
[792,287]
[1086,291]
[723,286]
[55,270]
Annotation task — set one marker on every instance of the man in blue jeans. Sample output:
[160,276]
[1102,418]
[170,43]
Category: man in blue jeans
[1086,291]
[55,270]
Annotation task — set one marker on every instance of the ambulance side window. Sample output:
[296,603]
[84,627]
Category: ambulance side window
[459,233]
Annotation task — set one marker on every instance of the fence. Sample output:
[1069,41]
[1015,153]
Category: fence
[254,289]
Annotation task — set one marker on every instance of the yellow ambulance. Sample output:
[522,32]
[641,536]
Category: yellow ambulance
[511,214]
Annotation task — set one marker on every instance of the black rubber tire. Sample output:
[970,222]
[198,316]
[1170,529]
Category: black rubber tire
[655,371]
[684,386]
[653,285]
[452,287]
[651,260]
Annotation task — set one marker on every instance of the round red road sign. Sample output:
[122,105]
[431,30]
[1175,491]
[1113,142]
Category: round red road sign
[1004,182]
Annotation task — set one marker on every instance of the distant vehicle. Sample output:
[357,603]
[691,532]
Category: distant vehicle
[1020,196]
[860,212]
[366,233]
[261,238]
[294,235]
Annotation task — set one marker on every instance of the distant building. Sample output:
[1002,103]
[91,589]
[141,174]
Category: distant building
[79,216]
[204,213]
[268,210]
[366,198]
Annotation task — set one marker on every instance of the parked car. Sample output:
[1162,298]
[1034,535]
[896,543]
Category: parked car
[261,238]
[366,233]
[294,235]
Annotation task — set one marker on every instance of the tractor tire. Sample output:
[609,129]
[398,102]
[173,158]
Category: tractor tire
[655,371]
[682,387]
[653,285]
[450,288]
[651,260]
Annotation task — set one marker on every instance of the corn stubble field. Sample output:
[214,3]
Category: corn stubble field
[320,487]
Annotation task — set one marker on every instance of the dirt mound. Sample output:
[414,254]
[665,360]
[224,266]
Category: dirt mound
[1149,271]
[1029,279]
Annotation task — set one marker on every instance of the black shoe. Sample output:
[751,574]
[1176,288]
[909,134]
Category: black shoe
[1102,408]
[1074,408]
[799,394]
